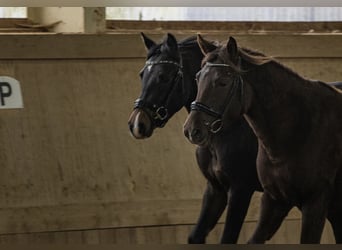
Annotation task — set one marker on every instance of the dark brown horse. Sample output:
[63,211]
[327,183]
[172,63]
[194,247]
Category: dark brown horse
[298,124]
[227,162]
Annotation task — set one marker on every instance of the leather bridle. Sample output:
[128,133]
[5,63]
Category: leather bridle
[159,113]
[215,126]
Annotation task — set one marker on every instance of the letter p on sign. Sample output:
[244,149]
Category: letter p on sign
[10,93]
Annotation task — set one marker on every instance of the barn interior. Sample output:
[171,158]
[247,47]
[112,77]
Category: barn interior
[71,171]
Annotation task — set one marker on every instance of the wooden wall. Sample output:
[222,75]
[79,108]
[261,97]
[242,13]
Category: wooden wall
[71,173]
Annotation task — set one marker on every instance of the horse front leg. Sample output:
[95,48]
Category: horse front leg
[314,213]
[272,214]
[213,204]
[238,203]
[214,199]
[335,208]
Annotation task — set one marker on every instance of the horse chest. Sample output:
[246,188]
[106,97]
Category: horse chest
[217,170]
[278,181]
[296,178]
[277,184]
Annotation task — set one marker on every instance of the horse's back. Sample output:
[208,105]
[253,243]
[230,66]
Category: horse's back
[336,84]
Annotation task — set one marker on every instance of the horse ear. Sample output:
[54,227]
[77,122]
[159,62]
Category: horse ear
[171,42]
[205,45]
[147,41]
[233,50]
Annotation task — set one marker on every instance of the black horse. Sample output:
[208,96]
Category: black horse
[298,124]
[227,162]
[336,84]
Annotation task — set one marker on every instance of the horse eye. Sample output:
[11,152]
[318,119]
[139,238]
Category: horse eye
[221,83]
[161,77]
[230,73]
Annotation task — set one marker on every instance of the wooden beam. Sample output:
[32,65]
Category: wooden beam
[95,20]
[70,18]
[68,162]
[242,27]
[78,46]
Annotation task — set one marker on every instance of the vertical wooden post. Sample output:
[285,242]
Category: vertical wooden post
[94,19]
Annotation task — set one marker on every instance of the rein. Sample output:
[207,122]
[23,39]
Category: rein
[216,125]
[159,114]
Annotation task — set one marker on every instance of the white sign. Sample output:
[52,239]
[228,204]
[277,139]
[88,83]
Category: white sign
[10,93]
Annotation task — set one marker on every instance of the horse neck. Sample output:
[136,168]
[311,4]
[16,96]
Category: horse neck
[280,110]
[191,61]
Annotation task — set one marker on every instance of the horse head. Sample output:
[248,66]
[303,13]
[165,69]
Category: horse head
[221,96]
[162,93]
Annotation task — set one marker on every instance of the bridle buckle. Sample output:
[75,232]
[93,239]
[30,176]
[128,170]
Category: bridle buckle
[216,126]
[161,113]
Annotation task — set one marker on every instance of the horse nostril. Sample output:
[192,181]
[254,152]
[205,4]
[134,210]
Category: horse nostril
[186,133]
[142,128]
[196,133]
[130,125]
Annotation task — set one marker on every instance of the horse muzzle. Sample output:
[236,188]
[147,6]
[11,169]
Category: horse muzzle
[195,132]
[140,124]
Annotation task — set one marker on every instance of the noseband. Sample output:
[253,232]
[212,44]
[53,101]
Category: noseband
[216,125]
[159,114]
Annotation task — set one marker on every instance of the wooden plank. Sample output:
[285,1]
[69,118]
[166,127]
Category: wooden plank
[91,237]
[149,234]
[7,69]
[107,236]
[124,236]
[60,237]
[224,26]
[316,68]
[74,237]
[87,216]
[69,162]
[65,19]
[12,22]
[288,233]
[71,145]
[168,234]
[291,46]
[182,232]
[81,46]
[328,234]
[94,19]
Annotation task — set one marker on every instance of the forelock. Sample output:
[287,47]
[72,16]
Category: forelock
[154,51]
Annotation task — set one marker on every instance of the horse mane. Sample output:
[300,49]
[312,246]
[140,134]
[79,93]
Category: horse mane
[249,55]
[189,47]
[185,44]
[258,58]
[154,51]
[188,42]
[254,57]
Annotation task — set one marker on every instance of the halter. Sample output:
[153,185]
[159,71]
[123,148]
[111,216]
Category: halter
[159,114]
[216,125]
